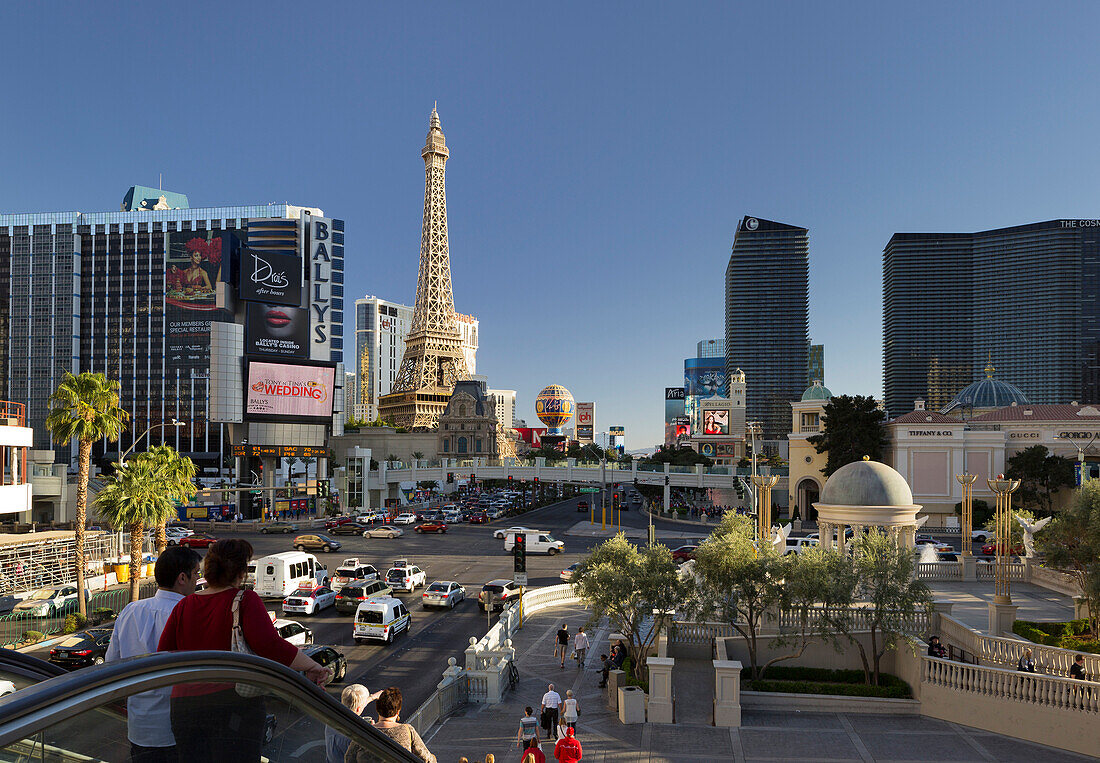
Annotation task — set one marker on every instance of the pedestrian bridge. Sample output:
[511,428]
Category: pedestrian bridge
[388,476]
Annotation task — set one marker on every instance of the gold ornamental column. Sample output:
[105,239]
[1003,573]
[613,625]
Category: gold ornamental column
[764,483]
[967,482]
[1002,613]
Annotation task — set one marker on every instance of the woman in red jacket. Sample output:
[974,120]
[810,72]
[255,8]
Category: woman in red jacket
[212,722]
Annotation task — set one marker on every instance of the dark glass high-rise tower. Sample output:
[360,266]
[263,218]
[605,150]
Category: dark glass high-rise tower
[767,318]
[1025,297]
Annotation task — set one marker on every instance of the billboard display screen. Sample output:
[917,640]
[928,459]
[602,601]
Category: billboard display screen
[674,408]
[716,421]
[278,390]
[705,377]
[193,266]
[274,277]
[584,433]
[274,329]
[682,427]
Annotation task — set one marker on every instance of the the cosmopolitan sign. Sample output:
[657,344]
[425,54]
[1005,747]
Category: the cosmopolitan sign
[276,389]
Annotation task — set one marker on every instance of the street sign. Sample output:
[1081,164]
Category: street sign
[519,578]
[590,489]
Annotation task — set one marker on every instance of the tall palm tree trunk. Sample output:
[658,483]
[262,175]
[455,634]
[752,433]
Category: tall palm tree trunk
[84,462]
[162,538]
[137,538]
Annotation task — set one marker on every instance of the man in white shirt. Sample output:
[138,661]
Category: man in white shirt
[580,646]
[551,701]
[136,633]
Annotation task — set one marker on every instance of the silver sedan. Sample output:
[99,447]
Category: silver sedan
[386,531]
[443,593]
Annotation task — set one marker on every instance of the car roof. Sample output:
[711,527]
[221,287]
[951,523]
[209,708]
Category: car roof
[381,602]
[499,581]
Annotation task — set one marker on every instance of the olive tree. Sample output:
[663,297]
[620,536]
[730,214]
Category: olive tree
[1072,543]
[636,589]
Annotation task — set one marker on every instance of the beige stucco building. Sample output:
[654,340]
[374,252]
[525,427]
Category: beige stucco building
[805,464]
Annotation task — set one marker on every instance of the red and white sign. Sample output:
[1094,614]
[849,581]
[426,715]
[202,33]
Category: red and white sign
[277,389]
[586,414]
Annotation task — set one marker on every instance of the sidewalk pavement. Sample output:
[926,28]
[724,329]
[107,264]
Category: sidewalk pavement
[593,530]
[764,735]
[971,602]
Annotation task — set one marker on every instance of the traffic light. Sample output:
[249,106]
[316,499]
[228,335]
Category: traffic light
[666,479]
[536,480]
[635,482]
[509,477]
[740,487]
[519,553]
[450,478]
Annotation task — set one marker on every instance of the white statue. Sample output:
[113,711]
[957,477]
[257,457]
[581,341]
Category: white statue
[1030,528]
[921,521]
[779,539]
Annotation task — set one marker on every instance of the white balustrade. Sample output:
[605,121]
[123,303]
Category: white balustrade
[1032,688]
[939,570]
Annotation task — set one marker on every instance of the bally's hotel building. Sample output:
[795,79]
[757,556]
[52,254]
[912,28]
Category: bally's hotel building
[145,296]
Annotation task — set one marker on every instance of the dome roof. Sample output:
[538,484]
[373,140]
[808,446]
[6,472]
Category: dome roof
[866,483]
[987,393]
[817,391]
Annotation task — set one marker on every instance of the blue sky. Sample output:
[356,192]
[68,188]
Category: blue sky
[601,153]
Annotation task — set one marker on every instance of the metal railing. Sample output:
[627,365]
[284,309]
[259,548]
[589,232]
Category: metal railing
[14,626]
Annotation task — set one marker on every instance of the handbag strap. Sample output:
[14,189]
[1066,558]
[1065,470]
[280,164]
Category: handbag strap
[237,610]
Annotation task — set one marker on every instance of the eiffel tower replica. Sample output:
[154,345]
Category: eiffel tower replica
[433,359]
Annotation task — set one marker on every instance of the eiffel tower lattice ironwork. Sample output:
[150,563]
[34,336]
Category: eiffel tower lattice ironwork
[433,359]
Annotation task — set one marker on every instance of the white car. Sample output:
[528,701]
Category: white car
[403,576]
[6,688]
[443,593]
[499,534]
[799,545]
[385,531]
[309,600]
[175,534]
[294,632]
[353,569]
[404,519]
[980,536]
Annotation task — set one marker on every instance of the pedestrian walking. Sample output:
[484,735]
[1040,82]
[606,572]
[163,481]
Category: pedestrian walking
[1077,669]
[562,643]
[568,749]
[580,646]
[569,710]
[528,728]
[551,702]
[137,632]
[533,753]
[1025,664]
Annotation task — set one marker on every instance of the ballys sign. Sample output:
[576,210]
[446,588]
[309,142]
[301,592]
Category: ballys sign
[320,287]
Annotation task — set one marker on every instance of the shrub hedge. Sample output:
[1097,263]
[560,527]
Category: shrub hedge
[1073,634]
[850,683]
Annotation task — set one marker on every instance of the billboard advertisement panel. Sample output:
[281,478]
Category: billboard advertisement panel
[277,390]
[193,266]
[586,420]
[716,421]
[274,277]
[681,427]
[674,408]
[705,377]
[273,329]
[584,434]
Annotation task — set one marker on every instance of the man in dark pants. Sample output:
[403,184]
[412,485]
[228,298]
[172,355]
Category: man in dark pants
[137,632]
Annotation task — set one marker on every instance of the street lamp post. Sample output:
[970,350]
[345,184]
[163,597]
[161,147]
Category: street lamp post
[1001,611]
[753,426]
[967,482]
[122,458]
[765,483]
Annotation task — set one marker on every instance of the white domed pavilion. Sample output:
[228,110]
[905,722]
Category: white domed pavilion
[866,494]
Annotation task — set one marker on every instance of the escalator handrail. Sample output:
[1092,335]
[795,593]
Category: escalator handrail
[28,666]
[62,697]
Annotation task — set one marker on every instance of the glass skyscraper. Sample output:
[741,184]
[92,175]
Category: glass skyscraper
[767,318]
[1023,297]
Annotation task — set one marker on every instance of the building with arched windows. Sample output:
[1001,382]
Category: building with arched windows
[805,464]
[468,426]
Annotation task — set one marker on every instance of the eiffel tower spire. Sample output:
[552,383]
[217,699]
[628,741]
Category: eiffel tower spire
[433,359]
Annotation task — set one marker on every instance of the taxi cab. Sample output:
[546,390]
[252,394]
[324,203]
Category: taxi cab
[309,599]
[381,619]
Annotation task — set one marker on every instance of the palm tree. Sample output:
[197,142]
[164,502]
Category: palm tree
[134,498]
[176,475]
[85,407]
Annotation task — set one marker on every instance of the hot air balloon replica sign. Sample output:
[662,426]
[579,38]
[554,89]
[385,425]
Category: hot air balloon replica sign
[555,407]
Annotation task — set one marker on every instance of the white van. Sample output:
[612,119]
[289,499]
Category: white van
[538,542]
[451,516]
[279,575]
[381,619]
